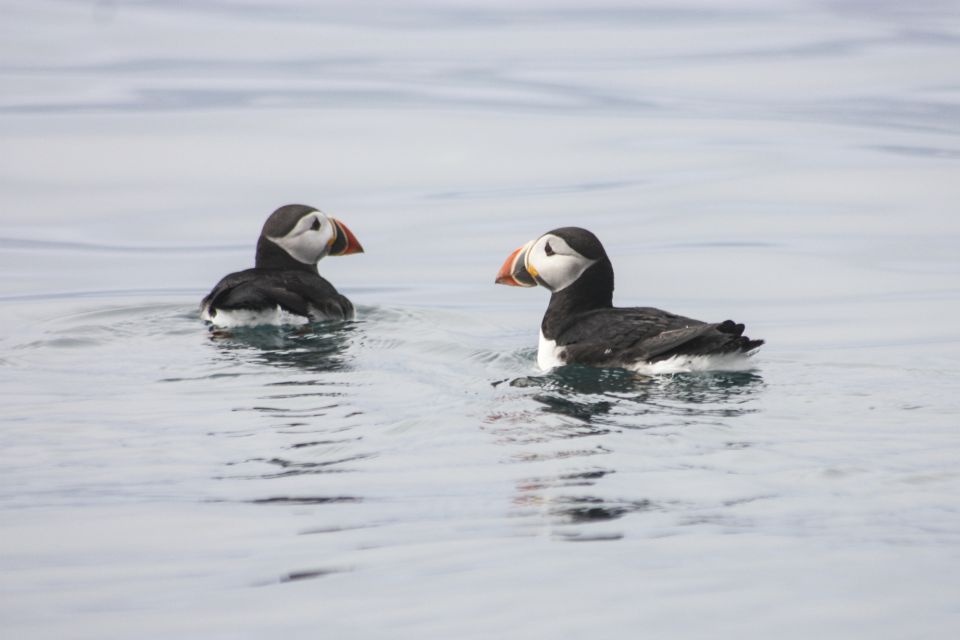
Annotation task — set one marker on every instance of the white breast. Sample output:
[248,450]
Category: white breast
[548,354]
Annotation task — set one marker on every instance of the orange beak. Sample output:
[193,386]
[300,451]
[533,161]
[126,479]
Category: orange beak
[514,270]
[344,243]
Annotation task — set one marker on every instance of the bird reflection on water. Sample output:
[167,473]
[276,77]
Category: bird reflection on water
[318,347]
[590,394]
[305,406]
[590,404]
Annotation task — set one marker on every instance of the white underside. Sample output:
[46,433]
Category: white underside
[249,318]
[548,357]
[681,364]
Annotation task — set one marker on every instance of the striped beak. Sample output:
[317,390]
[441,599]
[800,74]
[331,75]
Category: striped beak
[344,243]
[514,271]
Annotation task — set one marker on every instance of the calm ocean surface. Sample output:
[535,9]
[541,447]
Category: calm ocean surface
[792,165]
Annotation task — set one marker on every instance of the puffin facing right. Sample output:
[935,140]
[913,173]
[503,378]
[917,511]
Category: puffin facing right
[582,326]
[284,287]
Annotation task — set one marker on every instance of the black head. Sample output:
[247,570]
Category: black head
[581,241]
[282,221]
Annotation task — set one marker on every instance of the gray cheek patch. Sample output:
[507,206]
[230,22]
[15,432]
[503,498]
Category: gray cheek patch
[571,273]
[306,247]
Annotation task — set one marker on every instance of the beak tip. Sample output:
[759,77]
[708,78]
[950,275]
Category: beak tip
[513,273]
[345,243]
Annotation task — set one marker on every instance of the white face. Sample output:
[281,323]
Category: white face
[310,239]
[554,263]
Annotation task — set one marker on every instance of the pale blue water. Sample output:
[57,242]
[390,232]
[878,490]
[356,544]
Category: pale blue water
[792,165]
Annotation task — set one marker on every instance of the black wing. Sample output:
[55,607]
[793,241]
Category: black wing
[613,337]
[302,293]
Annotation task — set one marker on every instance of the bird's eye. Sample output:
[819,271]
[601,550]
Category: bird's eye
[547,249]
[316,225]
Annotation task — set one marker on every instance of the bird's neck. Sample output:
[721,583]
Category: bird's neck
[271,256]
[592,290]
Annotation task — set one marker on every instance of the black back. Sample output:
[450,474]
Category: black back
[297,291]
[618,336]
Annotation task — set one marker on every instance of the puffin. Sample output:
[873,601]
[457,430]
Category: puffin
[581,325]
[284,286]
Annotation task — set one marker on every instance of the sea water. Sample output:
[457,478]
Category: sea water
[412,474]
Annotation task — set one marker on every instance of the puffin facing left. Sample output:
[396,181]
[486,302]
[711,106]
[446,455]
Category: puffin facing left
[581,325]
[284,287]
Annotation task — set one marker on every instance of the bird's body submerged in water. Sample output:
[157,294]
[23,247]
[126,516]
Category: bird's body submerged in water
[582,326]
[284,287]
